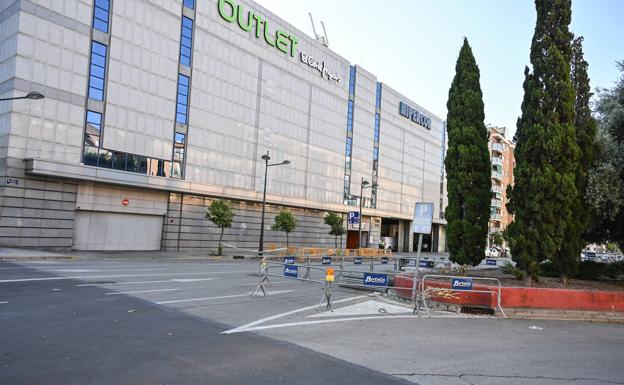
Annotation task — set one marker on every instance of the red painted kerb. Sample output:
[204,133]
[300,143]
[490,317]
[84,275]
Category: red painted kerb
[537,298]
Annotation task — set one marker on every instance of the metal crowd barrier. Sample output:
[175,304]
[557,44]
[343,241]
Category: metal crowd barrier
[289,269]
[462,284]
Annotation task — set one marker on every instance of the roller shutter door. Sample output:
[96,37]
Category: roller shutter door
[116,231]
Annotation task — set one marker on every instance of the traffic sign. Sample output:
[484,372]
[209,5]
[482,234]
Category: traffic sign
[354,217]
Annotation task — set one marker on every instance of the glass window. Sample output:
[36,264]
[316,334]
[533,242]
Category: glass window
[101,15]
[119,161]
[93,129]
[176,171]
[97,71]
[143,165]
[105,159]
[132,163]
[189,4]
[182,103]
[186,41]
[90,156]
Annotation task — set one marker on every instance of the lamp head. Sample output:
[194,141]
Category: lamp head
[34,95]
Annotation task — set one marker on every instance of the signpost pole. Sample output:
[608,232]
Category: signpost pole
[416,271]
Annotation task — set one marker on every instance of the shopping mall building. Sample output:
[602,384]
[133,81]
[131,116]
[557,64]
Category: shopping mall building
[153,109]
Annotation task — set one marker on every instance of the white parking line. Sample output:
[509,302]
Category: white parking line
[141,291]
[182,280]
[219,297]
[2,302]
[256,284]
[118,276]
[263,320]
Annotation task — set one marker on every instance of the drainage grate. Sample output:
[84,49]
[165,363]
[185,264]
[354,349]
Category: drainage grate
[476,310]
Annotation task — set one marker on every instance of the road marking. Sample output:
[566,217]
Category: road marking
[265,327]
[141,282]
[140,291]
[263,320]
[219,297]
[116,276]
[3,302]
[100,271]
[256,284]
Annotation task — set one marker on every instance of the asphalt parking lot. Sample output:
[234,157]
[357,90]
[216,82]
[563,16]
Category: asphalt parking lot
[192,322]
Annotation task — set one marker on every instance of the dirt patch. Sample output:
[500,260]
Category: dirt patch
[508,280]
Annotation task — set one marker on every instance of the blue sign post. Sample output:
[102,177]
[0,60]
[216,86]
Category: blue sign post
[375,279]
[461,283]
[326,261]
[291,271]
[354,217]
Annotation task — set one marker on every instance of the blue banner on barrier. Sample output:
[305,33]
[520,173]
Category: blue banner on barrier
[291,271]
[375,279]
[384,260]
[491,262]
[326,261]
[461,283]
[357,260]
[289,260]
[428,264]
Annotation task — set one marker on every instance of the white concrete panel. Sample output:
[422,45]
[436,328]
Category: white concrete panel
[116,231]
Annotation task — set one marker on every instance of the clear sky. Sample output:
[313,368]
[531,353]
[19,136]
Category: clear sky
[412,44]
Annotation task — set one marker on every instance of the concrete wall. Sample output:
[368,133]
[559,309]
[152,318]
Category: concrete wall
[37,213]
[187,228]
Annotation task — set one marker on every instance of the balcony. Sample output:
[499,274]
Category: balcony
[498,147]
[497,175]
[496,203]
[497,189]
[493,230]
[497,160]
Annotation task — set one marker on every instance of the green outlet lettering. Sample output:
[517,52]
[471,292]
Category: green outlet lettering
[228,16]
[241,23]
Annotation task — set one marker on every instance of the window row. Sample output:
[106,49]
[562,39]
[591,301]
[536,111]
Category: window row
[97,71]
[186,41]
[101,12]
[182,99]
[117,160]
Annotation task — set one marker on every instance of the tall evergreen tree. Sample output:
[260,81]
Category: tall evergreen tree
[546,149]
[467,164]
[567,260]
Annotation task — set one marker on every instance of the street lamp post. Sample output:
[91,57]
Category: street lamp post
[266,159]
[34,95]
[363,185]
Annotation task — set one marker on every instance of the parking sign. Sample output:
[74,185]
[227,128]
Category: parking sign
[354,217]
[423,216]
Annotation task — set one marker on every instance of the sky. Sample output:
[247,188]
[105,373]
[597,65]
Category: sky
[412,45]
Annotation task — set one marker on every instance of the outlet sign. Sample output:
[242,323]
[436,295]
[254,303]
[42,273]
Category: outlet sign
[414,115]
[283,41]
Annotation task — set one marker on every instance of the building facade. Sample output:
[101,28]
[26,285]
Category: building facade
[503,162]
[153,109]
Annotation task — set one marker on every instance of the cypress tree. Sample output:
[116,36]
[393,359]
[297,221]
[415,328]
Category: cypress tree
[467,164]
[568,259]
[546,150]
